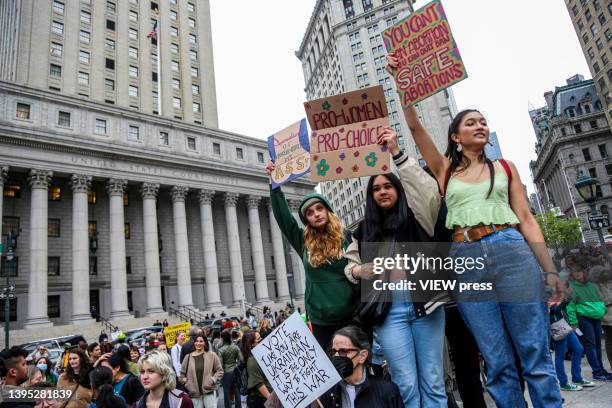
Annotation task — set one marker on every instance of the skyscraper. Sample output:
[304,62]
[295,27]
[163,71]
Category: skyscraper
[492,150]
[342,50]
[107,51]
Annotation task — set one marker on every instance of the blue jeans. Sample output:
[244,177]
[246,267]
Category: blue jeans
[413,349]
[561,346]
[591,330]
[514,313]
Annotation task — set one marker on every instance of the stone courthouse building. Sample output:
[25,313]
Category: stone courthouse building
[122,191]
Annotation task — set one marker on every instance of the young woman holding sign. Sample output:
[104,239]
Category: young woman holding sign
[330,298]
[488,210]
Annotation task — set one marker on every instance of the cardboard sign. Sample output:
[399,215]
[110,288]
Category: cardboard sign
[349,151]
[295,364]
[351,107]
[429,60]
[171,332]
[289,149]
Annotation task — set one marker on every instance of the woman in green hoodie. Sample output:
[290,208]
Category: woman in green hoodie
[330,298]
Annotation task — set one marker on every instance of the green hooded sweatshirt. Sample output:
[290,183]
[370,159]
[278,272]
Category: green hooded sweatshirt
[585,302]
[330,298]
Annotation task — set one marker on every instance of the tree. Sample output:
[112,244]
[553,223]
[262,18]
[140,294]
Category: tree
[559,233]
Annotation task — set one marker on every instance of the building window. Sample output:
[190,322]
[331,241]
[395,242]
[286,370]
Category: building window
[603,151]
[174,31]
[176,103]
[133,52]
[133,91]
[599,43]
[110,64]
[133,71]
[154,76]
[84,57]
[92,198]
[57,49]
[57,28]
[587,154]
[55,71]
[163,139]
[196,107]
[133,133]
[191,143]
[260,157]
[367,5]
[63,119]
[577,128]
[604,59]
[194,72]
[58,7]
[126,230]
[85,17]
[175,66]
[93,265]
[55,193]
[192,22]
[111,7]
[83,78]
[92,227]
[12,189]
[128,270]
[133,16]
[84,36]
[23,111]
[176,83]
[217,149]
[239,153]
[133,34]
[53,266]
[126,199]
[109,85]
[190,7]
[193,39]
[174,48]
[53,228]
[53,306]
[193,55]
[609,169]
[109,44]
[110,25]
[349,11]
[101,126]
[195,89]
[173,15]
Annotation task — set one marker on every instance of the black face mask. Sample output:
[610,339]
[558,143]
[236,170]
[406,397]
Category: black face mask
[344,366]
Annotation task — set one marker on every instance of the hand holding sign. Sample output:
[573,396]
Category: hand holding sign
[388,137]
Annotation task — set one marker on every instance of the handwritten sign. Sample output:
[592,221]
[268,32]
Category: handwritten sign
[288,149]
[295,364]
[429,60]
[171,332]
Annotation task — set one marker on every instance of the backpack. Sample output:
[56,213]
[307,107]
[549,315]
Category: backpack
[241,378]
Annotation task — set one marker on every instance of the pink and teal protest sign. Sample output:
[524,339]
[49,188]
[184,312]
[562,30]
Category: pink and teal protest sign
[429,60]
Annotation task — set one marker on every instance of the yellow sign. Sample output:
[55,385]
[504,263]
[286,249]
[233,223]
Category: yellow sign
[171,333]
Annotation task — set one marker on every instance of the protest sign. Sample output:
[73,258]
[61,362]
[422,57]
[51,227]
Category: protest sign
[349,151]
[171,332]
[428,57]
[343,109]
[295,364]
[288,149]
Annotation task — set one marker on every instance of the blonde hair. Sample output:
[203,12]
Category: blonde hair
[326,243]
[160,363]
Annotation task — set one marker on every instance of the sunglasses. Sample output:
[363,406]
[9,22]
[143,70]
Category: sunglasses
[343,352]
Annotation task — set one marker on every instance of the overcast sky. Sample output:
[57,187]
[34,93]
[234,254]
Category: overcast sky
[514,51]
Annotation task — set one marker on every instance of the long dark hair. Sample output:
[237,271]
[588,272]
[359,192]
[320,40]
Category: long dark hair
[247,342]
[85,365]
[101,379]
[206,344]
[457,158]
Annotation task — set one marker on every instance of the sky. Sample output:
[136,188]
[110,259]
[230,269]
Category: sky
[514,51]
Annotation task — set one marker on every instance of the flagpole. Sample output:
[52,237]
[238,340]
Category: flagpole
[159,91]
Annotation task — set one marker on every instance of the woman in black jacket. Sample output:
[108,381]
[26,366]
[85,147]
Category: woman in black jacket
[124,383]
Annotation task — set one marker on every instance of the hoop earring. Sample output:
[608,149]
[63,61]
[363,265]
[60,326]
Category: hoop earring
[459,148]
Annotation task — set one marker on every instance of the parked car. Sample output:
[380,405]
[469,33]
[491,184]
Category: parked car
[135,335]
[215,324]
[53,343]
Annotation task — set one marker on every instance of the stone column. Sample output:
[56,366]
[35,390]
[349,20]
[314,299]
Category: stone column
[80,250]
[151,245]
[118,281]
[233,240]
[259,264]
[37,289]
[213,292]
[299,275]
[282,284]
[181,244]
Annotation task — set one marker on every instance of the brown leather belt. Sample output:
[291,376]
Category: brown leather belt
[479,232]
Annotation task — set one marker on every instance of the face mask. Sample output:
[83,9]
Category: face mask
[42,367]
[344,366]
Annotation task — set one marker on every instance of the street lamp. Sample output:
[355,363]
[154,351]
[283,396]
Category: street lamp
[8,292]
[587,188]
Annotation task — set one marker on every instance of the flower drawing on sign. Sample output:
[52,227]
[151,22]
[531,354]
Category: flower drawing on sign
[344,101]
[355,168]
[326,106]
[342,156]
[341,130]
[383,148]
[384,167]
[315,157]
[339,170]
[322,168]
[371,159]
[356,153]
[364,96]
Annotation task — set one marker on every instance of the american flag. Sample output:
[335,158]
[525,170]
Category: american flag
[153,33]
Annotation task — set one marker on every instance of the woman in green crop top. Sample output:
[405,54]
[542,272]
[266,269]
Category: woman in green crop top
[488,210]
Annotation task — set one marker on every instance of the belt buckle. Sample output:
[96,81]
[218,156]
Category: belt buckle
[466,237]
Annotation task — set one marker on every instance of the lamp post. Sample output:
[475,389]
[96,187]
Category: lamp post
[8,292]
[586,187]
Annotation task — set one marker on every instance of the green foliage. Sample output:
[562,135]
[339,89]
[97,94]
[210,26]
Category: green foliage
[559,233]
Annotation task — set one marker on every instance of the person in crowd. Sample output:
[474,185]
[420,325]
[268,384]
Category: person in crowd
[230,355]
[264,328]
[41,351]
[76,379]
[223,314]
[330,298]
[585,311]
[200,372]
[605,288]
[35,376]
[188,346]
[165,323]
[105,347]
[62,363]
[103,337]
[44,365]
[157,323]
[14,373]
[267,314]
[83,346]
[175,353]
[259,388]
[134,354]
[486,201]
[125,383]
[572,343]
[206,317]
[103,394]
[349,354]
[94,351]
[411,334]
[216,340]
[282,316]
[159,381]
[251,319]
[126,354]
[162,347]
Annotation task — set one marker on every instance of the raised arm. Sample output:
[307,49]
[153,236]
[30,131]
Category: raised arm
[435,160]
